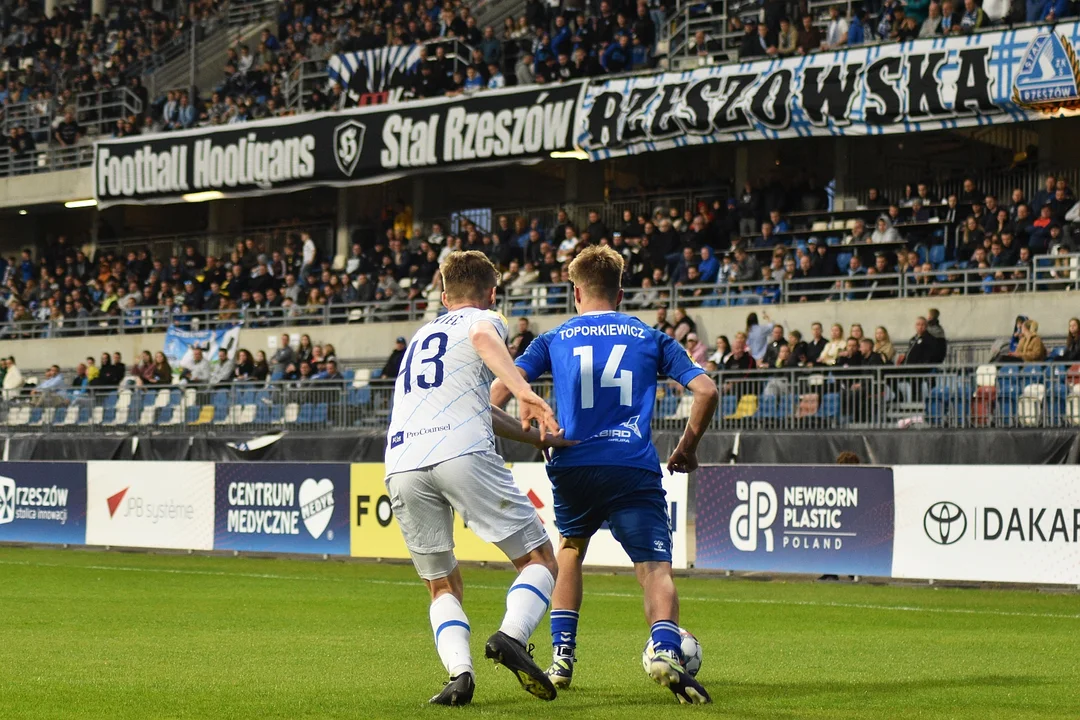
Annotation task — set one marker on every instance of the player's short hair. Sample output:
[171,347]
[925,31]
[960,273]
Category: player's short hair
[597,271]
[468,275]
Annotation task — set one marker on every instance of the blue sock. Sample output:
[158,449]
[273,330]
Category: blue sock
[564,628]
[665,636]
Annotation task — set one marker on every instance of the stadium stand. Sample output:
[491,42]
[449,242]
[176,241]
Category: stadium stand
[95,66]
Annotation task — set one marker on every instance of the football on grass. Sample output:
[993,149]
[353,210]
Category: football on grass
[691,652]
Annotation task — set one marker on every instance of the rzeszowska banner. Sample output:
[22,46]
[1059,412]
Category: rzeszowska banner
[933,84]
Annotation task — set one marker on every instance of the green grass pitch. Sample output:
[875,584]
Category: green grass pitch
[110,635]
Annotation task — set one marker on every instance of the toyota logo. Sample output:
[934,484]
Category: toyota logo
[945,523]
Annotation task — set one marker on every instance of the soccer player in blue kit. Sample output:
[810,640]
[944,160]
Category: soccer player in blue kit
[605,366]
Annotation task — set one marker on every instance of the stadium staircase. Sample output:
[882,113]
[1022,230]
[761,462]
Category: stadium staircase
[244,23]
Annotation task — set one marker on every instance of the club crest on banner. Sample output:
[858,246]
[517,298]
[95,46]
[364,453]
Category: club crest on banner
[348,142]
[1049,76]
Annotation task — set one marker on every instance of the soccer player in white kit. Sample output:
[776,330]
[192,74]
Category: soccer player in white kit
[441,459]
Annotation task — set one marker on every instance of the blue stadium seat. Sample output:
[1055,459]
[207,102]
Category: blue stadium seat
[923,254]
[220,411]
[322,413]
[769,407]
[937,255]
[264,413]
[165,415]
[376,373]
[84,415]
[110,400]
[1056,354]
[307,413]
[60,414]
[245,396]
[728,404]
[35,416]
[830,406]
[843,261]
[191,414]
[832,241]
[348,374]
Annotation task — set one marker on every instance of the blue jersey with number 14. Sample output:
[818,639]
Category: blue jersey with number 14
[605,366]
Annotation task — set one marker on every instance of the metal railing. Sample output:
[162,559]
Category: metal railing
[1011,395]
[877,397]
[246,12]
[152,319]
[557,299]
[252,407]
[268,239]
[45,160]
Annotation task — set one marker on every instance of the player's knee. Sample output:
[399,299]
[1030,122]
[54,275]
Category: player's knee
[543,556]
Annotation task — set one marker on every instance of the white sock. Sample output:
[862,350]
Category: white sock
[527,601]
[451,628]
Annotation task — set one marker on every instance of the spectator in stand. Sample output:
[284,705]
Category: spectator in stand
[836,32]
[522,340]
[833,348]
[50,391]
[739,358]
[816,345]
[885,232]
[696,349]
[776,341]
[284,356]
[809,37]
[393,364]
[859,31]
[196,368]
[923,348]
[1072,342]
[723,349]
[683,325]
[1030,348]
[757,335]
[223,373]
[662,323]
[883,344]
[161,372]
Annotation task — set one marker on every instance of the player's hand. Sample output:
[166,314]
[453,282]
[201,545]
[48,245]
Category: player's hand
[682,461]
[533,407]
[555,441]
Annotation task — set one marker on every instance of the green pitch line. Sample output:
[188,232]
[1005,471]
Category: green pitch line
[110,635]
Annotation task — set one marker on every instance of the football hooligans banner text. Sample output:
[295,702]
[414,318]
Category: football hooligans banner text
[359,146]
[933,84]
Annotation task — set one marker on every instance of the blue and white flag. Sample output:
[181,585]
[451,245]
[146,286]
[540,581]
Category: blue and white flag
[372,71]
[180,343]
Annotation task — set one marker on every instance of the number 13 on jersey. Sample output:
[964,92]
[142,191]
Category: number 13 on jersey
[612,377]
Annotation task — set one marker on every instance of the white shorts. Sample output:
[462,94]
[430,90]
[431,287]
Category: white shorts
[480,489]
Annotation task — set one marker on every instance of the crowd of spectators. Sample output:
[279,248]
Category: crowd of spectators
[690,257]
[75,62]
[783,29]
[292,366]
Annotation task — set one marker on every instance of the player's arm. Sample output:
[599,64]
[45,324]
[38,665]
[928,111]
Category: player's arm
[500,394]
[676,364]
[507,426]
[489,346]
[706,397]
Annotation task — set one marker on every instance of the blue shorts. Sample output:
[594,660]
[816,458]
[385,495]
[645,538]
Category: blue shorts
[630,500]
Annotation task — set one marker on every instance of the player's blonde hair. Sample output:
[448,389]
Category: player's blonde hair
[597,271]
[468,275]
